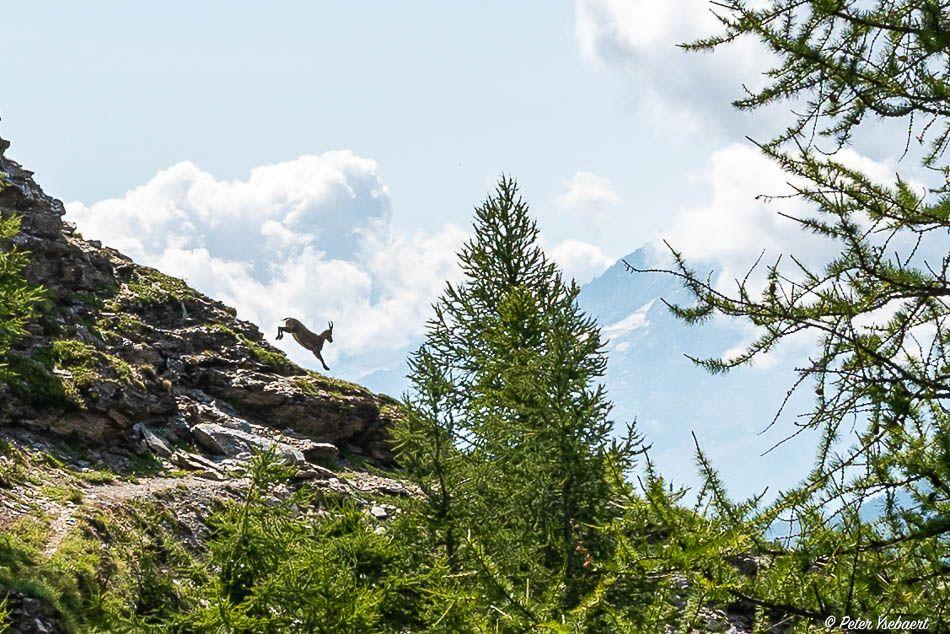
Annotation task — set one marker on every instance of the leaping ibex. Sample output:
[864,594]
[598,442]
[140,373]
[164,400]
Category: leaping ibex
[309,340]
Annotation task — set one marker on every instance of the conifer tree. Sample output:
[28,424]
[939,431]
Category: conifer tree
[508,433]
[879,312]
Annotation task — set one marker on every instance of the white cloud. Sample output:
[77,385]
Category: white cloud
[586,192]
[733,226]
[733,223]
[684,92]
[581,261]
[308,238]
[589,205]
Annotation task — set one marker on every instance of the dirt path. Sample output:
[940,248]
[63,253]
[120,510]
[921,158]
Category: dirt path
[119,493]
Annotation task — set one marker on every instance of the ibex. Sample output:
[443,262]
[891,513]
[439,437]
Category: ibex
[309,340]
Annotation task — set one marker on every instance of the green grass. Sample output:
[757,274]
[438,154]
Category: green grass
[97,299]
[96,477]
[85,363]
[33,381]
[21,541]
[79,358]
[4,614]
[391,409]
[316,384]
[61,493]
[143,465]
[113,572]
[64,582]
[273,360]
[120,324]
[12,472]
[151,287]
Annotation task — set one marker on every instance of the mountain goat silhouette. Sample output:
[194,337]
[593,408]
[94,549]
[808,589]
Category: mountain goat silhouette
[306,338]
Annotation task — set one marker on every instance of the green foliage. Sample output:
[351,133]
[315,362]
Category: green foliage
[878,311]
[62,493]
[12,466]
[33,380]
[319,385]
[273,360]
[82,369]
[847,62]
[150,287]
[526,522]
[61,583]
[106,575]
[279,572]
[18,299]
[120,325]
[86,364]
[506,432]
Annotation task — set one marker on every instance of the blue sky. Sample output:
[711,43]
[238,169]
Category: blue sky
[102,95]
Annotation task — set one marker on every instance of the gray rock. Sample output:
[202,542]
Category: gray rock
[152,441]
[225,441]
[165,354]
[192,462]
[314,472]
[222,441]
[321,452]
[291,455]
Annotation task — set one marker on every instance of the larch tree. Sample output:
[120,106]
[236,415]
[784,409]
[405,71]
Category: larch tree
[867,532]
[508,432]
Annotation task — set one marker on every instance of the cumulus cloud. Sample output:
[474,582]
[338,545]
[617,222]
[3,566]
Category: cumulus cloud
[309,238]
[581,261]
[685,92]
[733,226]
[589,204]
[587,191]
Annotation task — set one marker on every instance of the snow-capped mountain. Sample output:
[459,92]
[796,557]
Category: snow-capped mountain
[650,379]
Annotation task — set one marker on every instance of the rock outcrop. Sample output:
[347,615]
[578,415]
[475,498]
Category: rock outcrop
[137,405]
[125,356]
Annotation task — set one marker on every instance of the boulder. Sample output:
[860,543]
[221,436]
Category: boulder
[152,441]
[320,452]
[226,441]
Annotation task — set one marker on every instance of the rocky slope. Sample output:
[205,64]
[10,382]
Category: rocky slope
[131,387]
[126,357]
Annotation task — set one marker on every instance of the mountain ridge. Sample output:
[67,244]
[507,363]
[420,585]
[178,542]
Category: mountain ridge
[117,343]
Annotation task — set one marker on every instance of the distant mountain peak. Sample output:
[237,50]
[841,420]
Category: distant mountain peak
[618,291]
